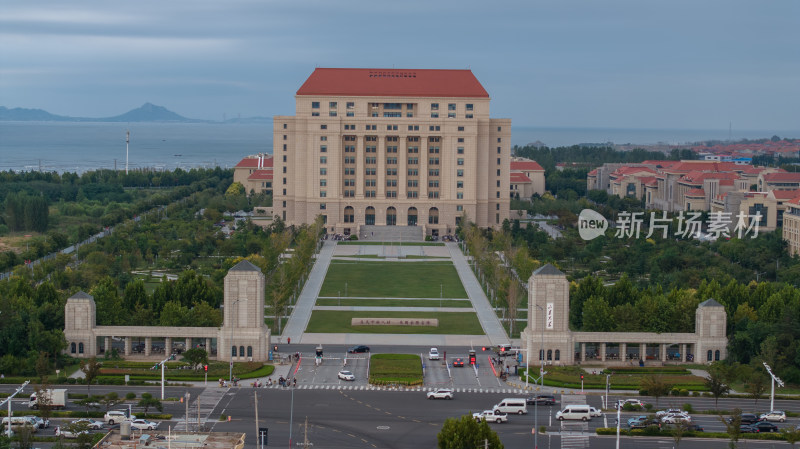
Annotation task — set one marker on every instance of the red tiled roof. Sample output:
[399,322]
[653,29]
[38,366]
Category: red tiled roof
[393,83]
[785,177]
[260,175]
[252,162]
[696,192]
[687,166]
[591,173]
[785,194]
[697,177]
[517,178]
[726,182]
[526,165]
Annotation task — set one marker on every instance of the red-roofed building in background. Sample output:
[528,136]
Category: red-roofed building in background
[392,147]
[527,178]
[255,174]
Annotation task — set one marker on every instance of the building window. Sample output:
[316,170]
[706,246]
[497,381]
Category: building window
[451,106]
[350,171]
[498,183]
[323,138]
[460,173]
[284,147]
[499,128]
[413,150]
[233,351]
[323,126]
[413,161]
[413,172]
[434,115]
[284,181]
[433,172]
[72,348]
[459,208]
[434,106]
[323,182]
[332,113]
[434,128]
[451,115]
[80,349]
[323,148]
[323,171]
[498,172]
[499,140]
[323,194]
[498,194]
[459,195]
[323,159]
[391,161]
[350,105]
[413,183]
[433,150]
[391,183]
[284,169]
[249,351]
[499,150]
[468,116]
[315,105]
[433,183]
[284,159]
[433,194]
[433,161]
[498,161]
[412,194]
[349,214]
[322,206]
[370,160]
[391,194]
[461,128]
[497,206]
[284,137]
[460,140]
[369,194]
[351,114]
[332,104]
[469,106]
[315,114]
[459,184]
[460,161]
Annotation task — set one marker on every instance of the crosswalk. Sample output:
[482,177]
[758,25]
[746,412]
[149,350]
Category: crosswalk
[207,400]
[394,388]
[574,435]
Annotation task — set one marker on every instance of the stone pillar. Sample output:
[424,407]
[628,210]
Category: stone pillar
[683,352]
[402,169]
[643,351]
[127,346]
[148,343]
[359,168]
[602,352]
[663,351]
[107,344]
[583,352]
[167,346]
[208,346]
[623,351]
[381,172]
[188,344]
[423,169]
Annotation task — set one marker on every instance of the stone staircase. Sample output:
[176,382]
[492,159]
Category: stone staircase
[392,233]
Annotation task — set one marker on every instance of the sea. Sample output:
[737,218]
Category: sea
[82,146]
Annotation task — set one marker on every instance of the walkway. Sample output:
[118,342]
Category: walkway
[308,297]
[488,319]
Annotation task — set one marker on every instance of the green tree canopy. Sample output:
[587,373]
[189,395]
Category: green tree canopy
[466,433]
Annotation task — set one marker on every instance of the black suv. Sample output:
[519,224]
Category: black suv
[747,418]
[541,399]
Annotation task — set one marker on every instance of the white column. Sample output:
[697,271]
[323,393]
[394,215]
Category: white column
[148,343]
[602,352]
[583,352]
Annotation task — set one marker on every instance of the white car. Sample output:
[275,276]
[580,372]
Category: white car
[117,416]
[671,411]
[633,402]
[442,393]
[143,424]
[595,413]
[675,418]
[775,415]
[433,354]
[346,375]
[491,416]
[66,433]
[90,423]
[40,423]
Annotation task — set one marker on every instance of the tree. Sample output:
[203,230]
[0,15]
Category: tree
[597,315]
[733,426]
[717,382]
[466,433]
[148,401]
[235,189]
[678,429]
[655,386]
[91,369]
[755,385]
[90,401]
[195,357]
[791,435]
[110,399]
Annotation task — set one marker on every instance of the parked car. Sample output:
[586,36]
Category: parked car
[359,348]
[747,428]
[90,423]
[433,354]
[459,363]
[747,418]
[670,411]
[40,423]
[117,416]
[633,402]
[674,418]
[491,416]
[595,412]
[541,399]
[346,375]
[143,424]
[775,416]
[765,426]
[441,393]
[636,419]
[66,433]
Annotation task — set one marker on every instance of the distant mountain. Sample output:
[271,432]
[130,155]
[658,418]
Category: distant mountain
[24,115]
[146,113]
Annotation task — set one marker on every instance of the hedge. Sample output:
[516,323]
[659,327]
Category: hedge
[645,370]
[655,431]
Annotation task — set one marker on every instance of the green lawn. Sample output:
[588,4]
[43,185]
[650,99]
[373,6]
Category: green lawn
[393,280]
[392,302]
[336,321]
[403,369]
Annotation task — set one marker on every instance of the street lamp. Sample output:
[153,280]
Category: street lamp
[774,379]
[233,347]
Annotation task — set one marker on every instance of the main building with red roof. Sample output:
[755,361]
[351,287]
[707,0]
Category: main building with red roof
[391,147]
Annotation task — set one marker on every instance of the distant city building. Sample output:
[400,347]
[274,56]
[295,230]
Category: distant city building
[392,147]
[255,174]
[527,178]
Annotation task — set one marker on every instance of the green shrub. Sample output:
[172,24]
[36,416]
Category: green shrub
[130,396]
[687,407]
[684,392]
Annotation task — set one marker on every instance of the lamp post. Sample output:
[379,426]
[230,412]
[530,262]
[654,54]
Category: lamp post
[233,347]
[8,401]
[772,393]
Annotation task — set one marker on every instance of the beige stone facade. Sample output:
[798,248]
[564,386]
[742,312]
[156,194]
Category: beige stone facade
[391,147]
[255,174]
[548,333]
[242,337]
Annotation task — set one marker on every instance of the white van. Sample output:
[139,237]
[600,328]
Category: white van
[18,422]
[512,405]
[575,412]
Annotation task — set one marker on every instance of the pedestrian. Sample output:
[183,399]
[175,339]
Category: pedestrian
[288,340]
[294,381]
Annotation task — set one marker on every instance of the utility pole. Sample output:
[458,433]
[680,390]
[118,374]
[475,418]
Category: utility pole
[186,400]
[255,405]
[8,401]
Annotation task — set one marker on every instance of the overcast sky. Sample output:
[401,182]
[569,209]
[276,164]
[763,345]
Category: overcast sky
[563,63]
